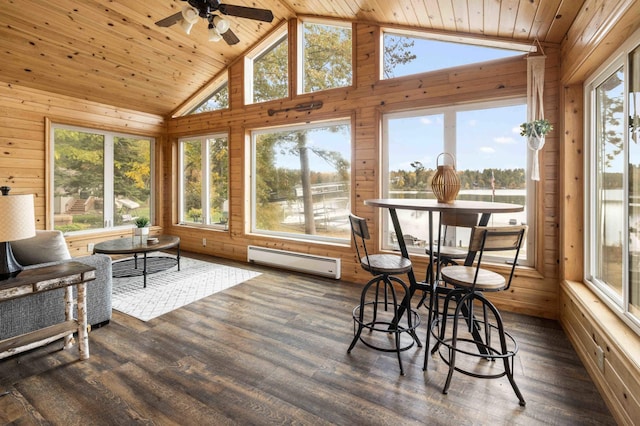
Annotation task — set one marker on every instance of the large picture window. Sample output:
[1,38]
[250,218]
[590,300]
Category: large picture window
[302,181]
[204,181]
[612,243]
[490,159]
[100,179]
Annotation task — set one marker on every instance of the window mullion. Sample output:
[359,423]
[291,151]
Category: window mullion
[205,181]
[181,182]
[450,132]
[108,202]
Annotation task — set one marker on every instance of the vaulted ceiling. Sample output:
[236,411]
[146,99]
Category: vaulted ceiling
[111,51]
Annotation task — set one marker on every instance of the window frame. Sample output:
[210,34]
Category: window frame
[219,85]
[108,202]
[620,305]
[252,183]
[449,145]
[204,165]
[300,73]
[525,48]
[267,44]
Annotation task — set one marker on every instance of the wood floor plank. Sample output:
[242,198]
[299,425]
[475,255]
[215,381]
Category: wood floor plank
[272,350]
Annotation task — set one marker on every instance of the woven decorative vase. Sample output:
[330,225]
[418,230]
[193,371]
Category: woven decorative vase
[445,183]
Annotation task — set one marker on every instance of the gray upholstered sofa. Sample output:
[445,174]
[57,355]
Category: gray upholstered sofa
[19,316]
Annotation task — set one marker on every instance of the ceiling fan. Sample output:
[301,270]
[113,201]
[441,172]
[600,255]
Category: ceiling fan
[218,26]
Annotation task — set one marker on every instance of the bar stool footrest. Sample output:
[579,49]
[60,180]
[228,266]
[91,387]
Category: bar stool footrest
[387,327]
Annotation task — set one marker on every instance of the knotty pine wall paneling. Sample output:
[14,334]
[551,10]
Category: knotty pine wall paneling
[601,27]
[24,117]
[534,292]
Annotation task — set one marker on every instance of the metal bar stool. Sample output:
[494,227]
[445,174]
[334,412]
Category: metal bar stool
[386,291]
[445,253]
[469,283]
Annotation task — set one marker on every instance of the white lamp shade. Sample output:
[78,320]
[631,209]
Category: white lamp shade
[222,25]
[17,217]
[186,26]
[214,35]
[190,14]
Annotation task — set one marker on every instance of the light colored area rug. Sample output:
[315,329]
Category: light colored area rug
[172,289]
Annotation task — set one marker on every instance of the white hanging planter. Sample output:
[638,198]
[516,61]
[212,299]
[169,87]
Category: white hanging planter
[535,142]
[535,132]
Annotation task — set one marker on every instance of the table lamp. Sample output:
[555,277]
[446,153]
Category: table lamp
[17,222]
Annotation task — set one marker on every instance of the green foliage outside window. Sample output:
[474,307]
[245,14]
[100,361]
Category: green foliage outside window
[80,173]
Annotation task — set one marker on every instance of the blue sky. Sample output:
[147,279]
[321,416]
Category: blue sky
[486,138]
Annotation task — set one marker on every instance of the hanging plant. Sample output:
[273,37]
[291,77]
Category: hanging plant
[536,128]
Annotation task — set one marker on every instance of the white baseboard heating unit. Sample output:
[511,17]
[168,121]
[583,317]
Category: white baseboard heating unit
[308,263]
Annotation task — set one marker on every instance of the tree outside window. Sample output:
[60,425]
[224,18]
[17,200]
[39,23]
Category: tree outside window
[326,57]
[101,180]
[204,194]
[270,71]
[612,238]
[303,180]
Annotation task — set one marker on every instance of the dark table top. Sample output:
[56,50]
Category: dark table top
[460,206]
[132,245]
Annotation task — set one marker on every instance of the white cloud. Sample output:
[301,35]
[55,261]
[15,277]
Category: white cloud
[487,150]
[473,123]
[426,120]
[504,140]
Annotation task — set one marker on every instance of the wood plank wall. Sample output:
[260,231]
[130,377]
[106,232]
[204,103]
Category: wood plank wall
[24,117]
[534,292]
[601,27]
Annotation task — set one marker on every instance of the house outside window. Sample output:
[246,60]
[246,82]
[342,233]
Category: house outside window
[302,181]
[491,159]
[101,180]
[204,181]
[612,211]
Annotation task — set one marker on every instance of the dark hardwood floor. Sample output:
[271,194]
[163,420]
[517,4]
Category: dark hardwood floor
[272,350]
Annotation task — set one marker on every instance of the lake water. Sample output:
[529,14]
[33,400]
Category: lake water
[416,223]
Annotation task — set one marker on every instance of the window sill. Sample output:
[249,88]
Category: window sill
[593,328]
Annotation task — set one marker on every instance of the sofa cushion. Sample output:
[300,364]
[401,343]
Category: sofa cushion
[46,246]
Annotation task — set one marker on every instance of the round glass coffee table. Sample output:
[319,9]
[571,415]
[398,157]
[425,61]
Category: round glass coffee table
[134,247]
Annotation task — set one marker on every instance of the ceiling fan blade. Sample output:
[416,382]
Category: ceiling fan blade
[246,12]
[230,37]
[170,20]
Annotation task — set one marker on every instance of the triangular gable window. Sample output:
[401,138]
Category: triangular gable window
[219,99]
[406,54]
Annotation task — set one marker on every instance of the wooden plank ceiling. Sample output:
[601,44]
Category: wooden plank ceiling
[110,51]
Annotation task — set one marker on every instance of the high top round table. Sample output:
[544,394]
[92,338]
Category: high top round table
[483,208]
[133,246]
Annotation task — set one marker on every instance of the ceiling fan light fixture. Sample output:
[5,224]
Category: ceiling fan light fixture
[221,24]
[214,34]
[189,18]
[190,14]
[186,26]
